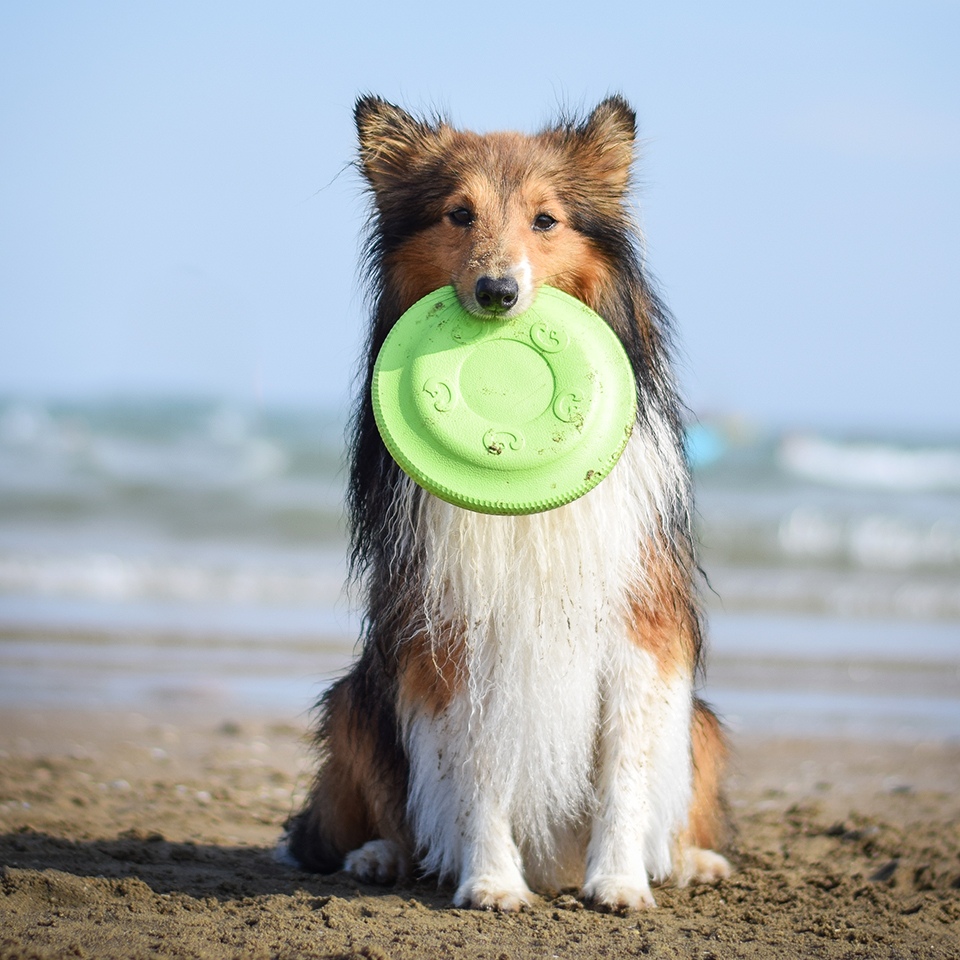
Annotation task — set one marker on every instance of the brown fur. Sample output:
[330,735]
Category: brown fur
[665,621]
[431,672]
[338,817]
[709,823]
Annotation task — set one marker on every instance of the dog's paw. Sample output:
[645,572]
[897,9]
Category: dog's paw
[703,866]
[492,893]
[378,861]
[618,894]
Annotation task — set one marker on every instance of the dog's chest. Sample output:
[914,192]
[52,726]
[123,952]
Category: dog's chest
[541,599]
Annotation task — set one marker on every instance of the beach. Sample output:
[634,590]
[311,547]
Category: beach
[132,835]
[173,601]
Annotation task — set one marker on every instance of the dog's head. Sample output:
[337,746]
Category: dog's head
[496,215]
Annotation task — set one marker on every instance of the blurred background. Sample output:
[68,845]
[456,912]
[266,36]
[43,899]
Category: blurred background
[181,319]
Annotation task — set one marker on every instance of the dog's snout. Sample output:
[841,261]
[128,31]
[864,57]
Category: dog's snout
[497,293]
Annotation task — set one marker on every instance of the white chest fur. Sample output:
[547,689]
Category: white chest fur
[542,601]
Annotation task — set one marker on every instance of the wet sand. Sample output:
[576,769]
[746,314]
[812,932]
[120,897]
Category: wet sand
[130,835]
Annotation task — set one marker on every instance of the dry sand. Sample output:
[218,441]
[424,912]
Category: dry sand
[133,836]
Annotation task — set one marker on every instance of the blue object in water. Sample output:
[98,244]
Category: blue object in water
[703,445]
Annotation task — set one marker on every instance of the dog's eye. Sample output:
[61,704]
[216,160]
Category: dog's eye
[462,217]
[543,221]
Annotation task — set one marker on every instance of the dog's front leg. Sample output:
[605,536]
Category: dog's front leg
[642,781]
[491,877]
[459,818]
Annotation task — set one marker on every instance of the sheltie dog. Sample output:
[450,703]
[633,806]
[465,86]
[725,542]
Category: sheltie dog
[522,715]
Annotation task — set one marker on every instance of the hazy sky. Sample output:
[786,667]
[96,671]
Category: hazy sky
[178,213]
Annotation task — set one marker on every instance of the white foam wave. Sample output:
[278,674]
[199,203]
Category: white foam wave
[112,577]
[159,446]
[875,466]
[875,541]
[187,463]
[853,594]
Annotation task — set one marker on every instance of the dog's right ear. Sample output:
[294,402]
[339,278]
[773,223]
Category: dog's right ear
[390,141]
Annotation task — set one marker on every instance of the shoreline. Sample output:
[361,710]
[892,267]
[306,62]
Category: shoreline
[787,676]
[128,834]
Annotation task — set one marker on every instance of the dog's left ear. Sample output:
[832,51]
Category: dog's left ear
[605,142]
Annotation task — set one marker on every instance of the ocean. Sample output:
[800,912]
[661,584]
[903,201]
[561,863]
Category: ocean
[163,555]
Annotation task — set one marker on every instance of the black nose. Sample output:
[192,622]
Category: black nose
[497,293]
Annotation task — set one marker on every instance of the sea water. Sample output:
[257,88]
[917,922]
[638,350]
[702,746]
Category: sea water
[164,555]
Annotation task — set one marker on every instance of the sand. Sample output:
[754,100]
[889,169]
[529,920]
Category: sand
[151,836]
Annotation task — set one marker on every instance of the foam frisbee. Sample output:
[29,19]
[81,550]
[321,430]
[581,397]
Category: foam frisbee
[504,416]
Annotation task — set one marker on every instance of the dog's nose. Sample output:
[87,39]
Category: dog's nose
[497,293]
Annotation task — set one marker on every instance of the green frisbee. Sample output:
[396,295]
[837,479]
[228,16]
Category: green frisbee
[504,416]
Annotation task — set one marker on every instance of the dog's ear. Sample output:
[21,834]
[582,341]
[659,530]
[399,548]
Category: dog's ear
[390,141]
[604,142]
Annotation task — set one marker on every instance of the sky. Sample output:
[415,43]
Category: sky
[179,214]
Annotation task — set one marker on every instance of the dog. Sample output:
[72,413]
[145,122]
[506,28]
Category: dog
[522,715]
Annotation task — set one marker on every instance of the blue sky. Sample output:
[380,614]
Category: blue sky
[178,213]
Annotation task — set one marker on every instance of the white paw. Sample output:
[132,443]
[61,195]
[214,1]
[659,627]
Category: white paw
[618,893]
[492,893]
[378,861]
[704,866]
